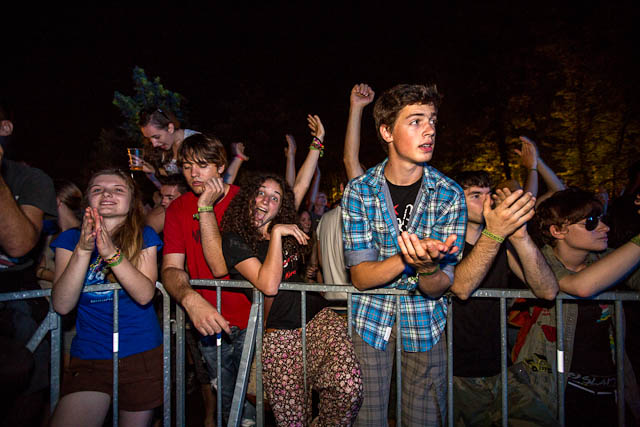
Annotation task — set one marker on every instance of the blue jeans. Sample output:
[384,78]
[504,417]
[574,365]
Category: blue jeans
[231,352]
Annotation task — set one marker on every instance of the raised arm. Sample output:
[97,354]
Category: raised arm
[315,187]
[237,148]
[551,180]
[529,160]
[507,217]
[305,174]
[361,96]
[290,153]
[267,276]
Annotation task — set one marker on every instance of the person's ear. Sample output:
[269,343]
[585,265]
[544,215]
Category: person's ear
[386,133]
[558,232]
[6,128]
[221,170]
[171,128]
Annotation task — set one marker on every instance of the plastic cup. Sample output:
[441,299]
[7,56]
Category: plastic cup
[135,158]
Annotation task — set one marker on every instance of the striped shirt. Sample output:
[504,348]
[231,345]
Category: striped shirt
[370,233]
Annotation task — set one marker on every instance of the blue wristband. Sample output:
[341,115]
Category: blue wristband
[409,271]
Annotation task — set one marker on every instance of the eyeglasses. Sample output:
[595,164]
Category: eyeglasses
[591,222]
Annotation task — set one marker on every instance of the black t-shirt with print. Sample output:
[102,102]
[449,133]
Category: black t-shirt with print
[592,365]
[404,198]
[286,308]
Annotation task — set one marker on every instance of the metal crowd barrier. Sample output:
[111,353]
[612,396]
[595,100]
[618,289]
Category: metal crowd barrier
[52,323]
[253,344]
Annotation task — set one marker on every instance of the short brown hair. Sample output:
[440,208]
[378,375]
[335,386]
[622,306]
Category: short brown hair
[478,178]
[200,147]
[562,208]
[387,107]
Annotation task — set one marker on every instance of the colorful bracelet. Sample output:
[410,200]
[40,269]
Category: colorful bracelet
[635,240]
[492,236]
[114,260]
[430,273]
[114,257]
[241,157]
[317,144]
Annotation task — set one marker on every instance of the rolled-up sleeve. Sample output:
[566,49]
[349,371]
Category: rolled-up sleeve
[357,235]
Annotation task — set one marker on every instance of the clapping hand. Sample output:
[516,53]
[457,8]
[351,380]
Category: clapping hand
[87,240]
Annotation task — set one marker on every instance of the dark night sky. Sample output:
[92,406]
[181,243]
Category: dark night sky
[238,67]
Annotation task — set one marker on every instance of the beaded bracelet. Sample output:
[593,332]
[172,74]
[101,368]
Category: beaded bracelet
[430,273]
[114,260]
[202,209]
[114,257]
[492,236]
[635,240]
[317,144]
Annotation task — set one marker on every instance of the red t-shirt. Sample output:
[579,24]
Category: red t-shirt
[182,236]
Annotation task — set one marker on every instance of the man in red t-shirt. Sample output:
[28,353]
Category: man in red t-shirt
[192,238]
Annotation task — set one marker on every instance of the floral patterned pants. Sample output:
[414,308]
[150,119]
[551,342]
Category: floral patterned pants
[332,369]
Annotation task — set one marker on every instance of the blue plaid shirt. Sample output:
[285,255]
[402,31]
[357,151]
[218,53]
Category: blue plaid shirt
[370,233]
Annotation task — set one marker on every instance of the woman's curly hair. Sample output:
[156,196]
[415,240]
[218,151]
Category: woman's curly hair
[238,217]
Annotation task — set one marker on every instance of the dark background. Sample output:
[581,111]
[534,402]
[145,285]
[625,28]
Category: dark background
[565,74]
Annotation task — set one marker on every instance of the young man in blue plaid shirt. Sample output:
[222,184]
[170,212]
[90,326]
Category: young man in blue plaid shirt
[404,224]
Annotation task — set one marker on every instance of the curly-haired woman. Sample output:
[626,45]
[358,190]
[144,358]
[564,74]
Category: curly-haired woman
[261,244]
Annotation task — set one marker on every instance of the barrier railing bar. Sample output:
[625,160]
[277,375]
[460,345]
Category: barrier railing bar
[303,320]
[560,359]
[39,334]
[166,355]
[503,360]
[219,362]
[116,342]
[54,371]
[350,314]
[244,369]
[180,367]
[398,363]
[259,388]
[450,361]
[620,361]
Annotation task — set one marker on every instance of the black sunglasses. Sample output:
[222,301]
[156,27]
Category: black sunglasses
[591,222]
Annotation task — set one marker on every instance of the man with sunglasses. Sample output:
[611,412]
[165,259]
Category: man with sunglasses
[496,243]
[575,238]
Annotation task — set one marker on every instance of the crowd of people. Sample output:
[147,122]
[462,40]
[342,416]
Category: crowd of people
[401,224]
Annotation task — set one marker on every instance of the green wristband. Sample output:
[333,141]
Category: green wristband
[430,273]
[636,240]
[205,209]
[492,236]
[116,262]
